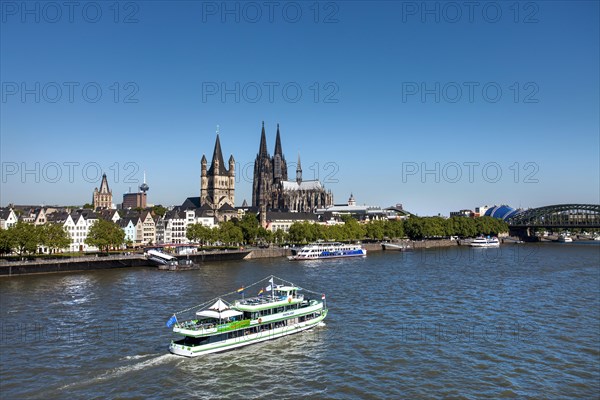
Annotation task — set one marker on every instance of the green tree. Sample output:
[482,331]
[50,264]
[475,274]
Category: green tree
[249,226]
[434,227]
[88,206]
[461,226]
[352,229]
[54,236]
[265,236]
[375,230]
[105,234]
[280,236]
[298,232]
[413,226]
[229,232]
[199,233]
[159,210]
[6,241]
[25,238]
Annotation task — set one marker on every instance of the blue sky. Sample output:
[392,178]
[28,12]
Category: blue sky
[431,105]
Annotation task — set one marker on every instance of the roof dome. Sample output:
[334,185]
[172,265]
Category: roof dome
[502,212]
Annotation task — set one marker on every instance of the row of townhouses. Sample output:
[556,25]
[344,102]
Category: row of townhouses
[141,228]
[144,228]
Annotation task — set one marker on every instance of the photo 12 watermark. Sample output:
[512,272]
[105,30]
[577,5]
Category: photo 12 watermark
[68,171]
[15,333]
[270,92]
[469,172]
[325,172]
[253,12]
[453,12]
[70,12]
[470,92]
[514,331]
[514,254]
[69,92]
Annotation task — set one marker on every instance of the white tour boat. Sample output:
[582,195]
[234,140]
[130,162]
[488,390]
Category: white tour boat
[565,239]
[315,251]
[278,310]
[485,242]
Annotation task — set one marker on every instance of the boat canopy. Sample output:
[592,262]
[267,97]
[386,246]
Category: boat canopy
[219,310]
[218,314]
[220,305]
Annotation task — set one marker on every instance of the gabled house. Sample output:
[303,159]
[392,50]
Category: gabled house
[148,228]
[8,218]
[129,227]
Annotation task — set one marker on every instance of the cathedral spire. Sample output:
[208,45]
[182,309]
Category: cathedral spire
[299,171]
[278,149]
[217,158]
[263,142]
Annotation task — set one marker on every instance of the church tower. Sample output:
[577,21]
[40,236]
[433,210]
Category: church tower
[217,183]
[102,199]
[271,189]
[263,174]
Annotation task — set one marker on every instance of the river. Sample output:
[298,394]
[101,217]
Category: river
[519,321]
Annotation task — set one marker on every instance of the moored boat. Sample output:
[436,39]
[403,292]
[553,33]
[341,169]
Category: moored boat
[315,251]
[485,242]
[565,239]
[279,310]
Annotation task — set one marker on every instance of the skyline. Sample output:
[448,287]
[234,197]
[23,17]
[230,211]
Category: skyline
[387,93]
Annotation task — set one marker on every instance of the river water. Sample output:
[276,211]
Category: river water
[519,321]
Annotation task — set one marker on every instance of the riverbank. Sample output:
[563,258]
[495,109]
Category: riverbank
[138,260]
[109,262]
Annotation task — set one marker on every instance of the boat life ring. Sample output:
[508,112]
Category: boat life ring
[260,320]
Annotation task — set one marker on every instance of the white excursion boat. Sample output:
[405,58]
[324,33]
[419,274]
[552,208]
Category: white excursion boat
[485,242]
[565,239]
[277,311]
[315,251]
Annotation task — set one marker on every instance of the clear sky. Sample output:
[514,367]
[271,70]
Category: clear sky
[436,105]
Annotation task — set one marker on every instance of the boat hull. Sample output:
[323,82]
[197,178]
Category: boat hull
[229,344]
[485,245]
[322,257]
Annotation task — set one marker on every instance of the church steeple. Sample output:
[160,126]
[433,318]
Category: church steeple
[263,142]
[278,149]
[218,164]
[217,185]
[104,185]
[299,171]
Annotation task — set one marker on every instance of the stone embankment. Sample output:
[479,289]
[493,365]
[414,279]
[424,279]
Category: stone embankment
[269,252]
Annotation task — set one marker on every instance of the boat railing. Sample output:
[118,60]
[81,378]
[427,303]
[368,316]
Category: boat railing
[194,325]
[257,301]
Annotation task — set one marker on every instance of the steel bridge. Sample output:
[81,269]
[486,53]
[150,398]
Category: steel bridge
[562,216]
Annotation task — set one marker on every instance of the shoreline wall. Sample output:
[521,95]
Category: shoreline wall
[95,263]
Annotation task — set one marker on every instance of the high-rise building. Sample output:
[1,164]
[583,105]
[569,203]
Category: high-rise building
[136,200]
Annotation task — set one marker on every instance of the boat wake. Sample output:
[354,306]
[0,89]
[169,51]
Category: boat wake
[120,371]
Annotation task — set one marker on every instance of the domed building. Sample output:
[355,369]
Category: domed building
[502,212]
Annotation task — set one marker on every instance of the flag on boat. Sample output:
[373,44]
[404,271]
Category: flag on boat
[261,291]
[171,321]
[271,280]
[268,289]
[323,296]
[240,290]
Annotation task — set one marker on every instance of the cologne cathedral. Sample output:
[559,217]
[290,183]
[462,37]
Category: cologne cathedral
[271,189]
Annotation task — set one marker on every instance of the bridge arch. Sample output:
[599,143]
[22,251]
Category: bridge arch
[558,216]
